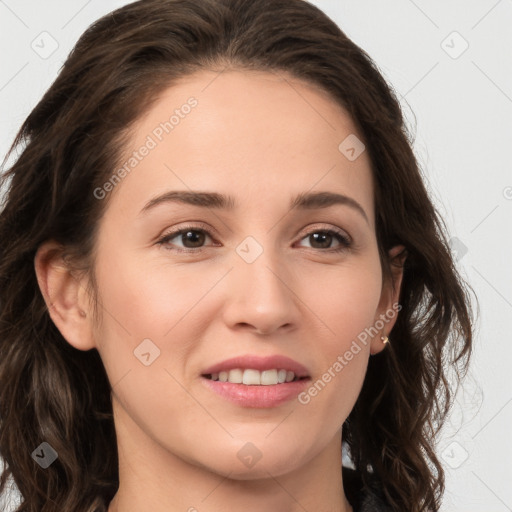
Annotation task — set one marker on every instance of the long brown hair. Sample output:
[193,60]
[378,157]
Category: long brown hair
[69,145]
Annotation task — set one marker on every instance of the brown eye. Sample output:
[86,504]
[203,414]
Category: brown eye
[183,239]
[323,239]
[192,238]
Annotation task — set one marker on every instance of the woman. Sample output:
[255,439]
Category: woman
[220,272]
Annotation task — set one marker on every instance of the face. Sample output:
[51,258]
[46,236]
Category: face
[275,264]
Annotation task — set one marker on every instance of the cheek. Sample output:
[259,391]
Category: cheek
[143,300]
[344,298]
[148,297]
[151,299]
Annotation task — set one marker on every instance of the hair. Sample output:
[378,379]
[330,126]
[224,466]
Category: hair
[69,145]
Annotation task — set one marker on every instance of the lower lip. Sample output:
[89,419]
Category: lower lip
[257,396]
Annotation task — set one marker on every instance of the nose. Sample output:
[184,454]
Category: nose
[260,296]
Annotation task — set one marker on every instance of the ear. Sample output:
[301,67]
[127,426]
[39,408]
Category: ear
[65,295]
[387,311]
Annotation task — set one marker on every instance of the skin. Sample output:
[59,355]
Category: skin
[262,138]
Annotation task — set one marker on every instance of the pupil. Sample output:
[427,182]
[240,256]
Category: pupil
[323,238]
[195,238]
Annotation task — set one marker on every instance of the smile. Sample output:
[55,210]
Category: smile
[252,377]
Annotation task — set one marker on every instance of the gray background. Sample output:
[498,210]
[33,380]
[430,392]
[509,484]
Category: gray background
[459,102]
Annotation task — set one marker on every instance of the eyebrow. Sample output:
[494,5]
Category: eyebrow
[303,201]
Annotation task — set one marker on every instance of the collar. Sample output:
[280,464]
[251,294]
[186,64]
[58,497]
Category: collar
[363,497]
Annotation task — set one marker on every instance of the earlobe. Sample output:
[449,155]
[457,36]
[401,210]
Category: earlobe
[388,306]
[65,296]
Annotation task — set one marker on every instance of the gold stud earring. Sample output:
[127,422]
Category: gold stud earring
[384,339]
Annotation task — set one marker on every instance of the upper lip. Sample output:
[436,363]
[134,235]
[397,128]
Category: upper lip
[260,363]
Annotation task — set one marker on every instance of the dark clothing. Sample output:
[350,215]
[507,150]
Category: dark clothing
[363,499]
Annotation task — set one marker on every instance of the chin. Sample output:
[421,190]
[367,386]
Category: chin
[248,462]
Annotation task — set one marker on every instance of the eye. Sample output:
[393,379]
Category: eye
[323,239]
[188,238]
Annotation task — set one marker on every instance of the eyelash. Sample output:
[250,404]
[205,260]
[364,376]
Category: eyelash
[345,242]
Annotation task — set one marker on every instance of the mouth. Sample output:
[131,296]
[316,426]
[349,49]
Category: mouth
[253,377]
[253,370]
[256,382]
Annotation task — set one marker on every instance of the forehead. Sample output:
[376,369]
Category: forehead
[262,136]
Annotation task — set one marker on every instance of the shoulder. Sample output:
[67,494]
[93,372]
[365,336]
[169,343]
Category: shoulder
[367,497]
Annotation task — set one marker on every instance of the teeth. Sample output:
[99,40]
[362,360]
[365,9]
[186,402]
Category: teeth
[252,377]
[236,376]
[269,377]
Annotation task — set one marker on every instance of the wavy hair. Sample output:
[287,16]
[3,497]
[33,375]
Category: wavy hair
[68,146]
